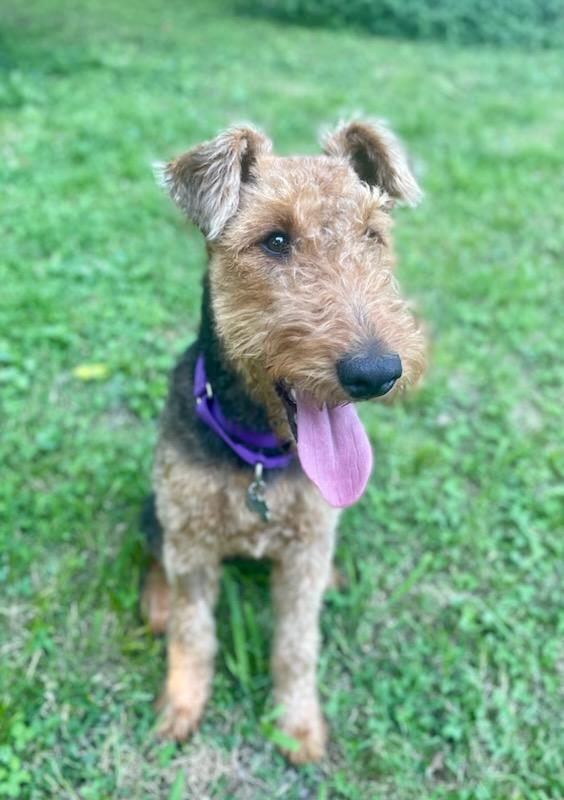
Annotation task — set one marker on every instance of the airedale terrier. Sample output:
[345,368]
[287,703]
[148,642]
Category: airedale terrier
[260,443]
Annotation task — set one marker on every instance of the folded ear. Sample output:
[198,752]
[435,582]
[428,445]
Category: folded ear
[206,181]
[377,157]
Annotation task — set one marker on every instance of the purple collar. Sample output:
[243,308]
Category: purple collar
[248,445]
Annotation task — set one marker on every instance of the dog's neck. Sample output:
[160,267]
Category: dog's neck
[227,383]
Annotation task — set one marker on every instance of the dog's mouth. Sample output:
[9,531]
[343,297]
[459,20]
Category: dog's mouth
[332,444]
[288,396]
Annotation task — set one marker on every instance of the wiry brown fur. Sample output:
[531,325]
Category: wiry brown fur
[285,319]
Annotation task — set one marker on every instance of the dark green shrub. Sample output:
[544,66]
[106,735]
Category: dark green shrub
[504,22]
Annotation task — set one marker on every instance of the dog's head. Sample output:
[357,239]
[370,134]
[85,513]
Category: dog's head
[301,265]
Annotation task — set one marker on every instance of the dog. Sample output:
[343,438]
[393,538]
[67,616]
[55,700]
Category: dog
[260,444]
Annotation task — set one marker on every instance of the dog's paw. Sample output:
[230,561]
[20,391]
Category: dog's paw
[310,737]
[178,717]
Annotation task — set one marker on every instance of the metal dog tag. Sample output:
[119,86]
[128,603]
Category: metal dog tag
[255,495]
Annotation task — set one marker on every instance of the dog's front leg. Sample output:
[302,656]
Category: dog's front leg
[190,651]
[299,580]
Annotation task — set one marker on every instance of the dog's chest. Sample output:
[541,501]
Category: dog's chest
[295,511]
[202,507]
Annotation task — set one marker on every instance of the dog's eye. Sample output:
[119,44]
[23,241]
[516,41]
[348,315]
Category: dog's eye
[374,236]
[277,243]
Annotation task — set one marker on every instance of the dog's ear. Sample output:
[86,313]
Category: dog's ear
[206,181]
[377,157]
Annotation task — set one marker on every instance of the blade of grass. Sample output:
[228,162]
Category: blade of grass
[239,665]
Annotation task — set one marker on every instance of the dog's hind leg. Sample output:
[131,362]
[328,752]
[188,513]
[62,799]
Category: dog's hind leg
[155,593]
[155,598]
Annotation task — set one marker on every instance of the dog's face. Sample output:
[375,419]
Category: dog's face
[301,262]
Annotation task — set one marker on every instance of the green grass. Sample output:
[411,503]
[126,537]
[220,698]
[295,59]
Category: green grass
[439,671]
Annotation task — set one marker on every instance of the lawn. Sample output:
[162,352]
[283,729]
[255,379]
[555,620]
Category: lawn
[439,672]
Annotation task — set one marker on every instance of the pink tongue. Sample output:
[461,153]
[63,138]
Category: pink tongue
[334,450]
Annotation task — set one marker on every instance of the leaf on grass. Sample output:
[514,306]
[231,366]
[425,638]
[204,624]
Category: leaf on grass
[281,739]
[165,754]
[275,735]
[177,787]
[274,713]
[90,372]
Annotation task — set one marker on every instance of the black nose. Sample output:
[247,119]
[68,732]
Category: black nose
[366,376]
